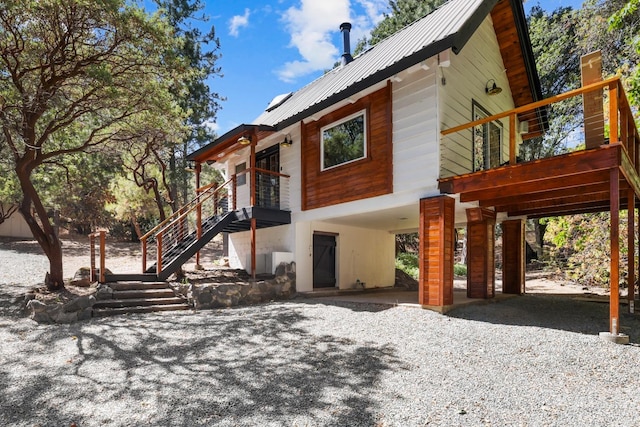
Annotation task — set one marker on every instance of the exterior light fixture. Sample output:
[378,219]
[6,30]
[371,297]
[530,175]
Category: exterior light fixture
[243,140]
[492,89]
[287,142]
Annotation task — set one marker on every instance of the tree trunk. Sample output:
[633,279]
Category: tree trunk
[540,229]
[42,229]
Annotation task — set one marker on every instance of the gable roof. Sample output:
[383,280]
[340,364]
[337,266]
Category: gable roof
[448,27]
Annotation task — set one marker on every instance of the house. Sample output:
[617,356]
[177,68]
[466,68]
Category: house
[419,133]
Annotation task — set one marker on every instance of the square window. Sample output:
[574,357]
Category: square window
[344,141]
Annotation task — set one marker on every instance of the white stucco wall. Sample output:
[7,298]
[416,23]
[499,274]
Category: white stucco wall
[361,254]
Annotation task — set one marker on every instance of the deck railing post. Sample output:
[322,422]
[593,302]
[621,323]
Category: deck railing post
[144,254]
[103,236]
[159,254]
[613,112]
[92,243]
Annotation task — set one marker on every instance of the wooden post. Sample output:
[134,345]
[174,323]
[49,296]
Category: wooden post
[513,257]
[614,201]
[198,214]
[92,243]
[613,113]
[159,254]
[252,202]
[437,220]
[144,255]
[631,250]
[591,72]
[481,277]
[103,236]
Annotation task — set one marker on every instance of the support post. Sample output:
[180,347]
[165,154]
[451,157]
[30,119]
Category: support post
[198,213]
[614,200]
[614,299]
[513,257]
[92,243]
[252,162]
[103,247]
[631,250]
[481,277]
[437,220]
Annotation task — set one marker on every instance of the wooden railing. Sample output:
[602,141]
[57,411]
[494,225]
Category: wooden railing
[210,201]
[618,116]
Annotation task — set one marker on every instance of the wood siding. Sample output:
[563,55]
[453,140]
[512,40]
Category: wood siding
[436,251]
[513,257]
[465,81]
[481,253]
[369,177]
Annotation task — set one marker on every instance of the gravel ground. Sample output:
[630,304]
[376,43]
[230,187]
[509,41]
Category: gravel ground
[530,361]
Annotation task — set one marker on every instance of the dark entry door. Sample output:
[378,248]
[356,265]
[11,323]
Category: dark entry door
[268,185]
[324,261]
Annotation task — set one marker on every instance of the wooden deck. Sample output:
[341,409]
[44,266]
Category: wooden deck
[599,179]
[578,182]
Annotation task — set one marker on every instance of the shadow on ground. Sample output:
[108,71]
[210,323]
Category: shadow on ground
[553,312]
[239,367]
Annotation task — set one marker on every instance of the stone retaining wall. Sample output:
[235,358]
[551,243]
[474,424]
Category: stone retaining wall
[216,295]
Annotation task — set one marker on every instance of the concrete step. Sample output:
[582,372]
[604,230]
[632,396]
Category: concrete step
[130,286]
[144,293]
[114,311]
[134,302]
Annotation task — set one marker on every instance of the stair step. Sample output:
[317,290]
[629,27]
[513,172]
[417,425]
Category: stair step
[104,312]
[130,286]
[133,302]
[143,293]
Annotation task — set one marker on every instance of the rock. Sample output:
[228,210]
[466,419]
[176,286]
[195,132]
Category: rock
[82,278]
[104,292]
[80,303]
[39,311]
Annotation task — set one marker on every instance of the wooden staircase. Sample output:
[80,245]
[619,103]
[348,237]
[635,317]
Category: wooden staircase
[138,297]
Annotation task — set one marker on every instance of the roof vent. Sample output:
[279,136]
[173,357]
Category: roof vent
[345,28]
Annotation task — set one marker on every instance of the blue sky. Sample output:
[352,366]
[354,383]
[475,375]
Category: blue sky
[270,47]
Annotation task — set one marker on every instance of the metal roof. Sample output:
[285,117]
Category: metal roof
[449,26]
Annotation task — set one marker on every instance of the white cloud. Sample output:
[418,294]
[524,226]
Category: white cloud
[314,25]
[212,126]
[237,22]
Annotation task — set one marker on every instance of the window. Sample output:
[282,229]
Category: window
[241,178]
[487,141]
[344,141]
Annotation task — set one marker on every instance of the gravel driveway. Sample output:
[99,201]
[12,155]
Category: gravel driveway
[531,361]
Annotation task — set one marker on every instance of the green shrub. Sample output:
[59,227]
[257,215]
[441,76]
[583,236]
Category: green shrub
[408,262]
[459,270]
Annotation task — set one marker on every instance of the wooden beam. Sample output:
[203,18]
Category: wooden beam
[631,232]
[614,274]
[600,187]
[560,202]
[580,162]
[517,188]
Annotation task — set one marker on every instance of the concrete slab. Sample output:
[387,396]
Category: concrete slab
[394,297]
